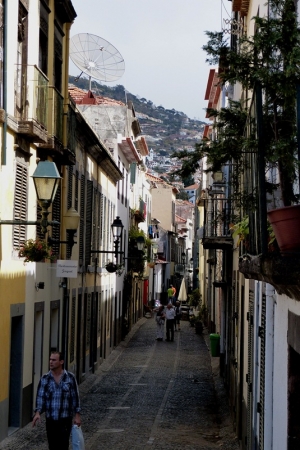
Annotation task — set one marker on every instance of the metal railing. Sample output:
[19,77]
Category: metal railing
[218,217]
[56,110]
[37,97]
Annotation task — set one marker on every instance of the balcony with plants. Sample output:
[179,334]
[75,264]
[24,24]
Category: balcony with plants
[265,162]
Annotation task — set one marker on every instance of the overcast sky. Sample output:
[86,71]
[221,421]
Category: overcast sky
[161,42]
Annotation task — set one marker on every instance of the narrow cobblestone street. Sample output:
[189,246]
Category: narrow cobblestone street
[150,394]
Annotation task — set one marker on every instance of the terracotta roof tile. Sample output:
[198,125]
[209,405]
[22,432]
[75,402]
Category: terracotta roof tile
[193,186]
[82,97]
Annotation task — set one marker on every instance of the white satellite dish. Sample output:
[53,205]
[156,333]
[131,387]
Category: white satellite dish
[96,57]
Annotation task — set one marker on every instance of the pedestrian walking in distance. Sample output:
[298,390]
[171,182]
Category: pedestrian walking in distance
[57,395]
[160,323]
[174,295]
[170,292]
[177,315]
[170,319]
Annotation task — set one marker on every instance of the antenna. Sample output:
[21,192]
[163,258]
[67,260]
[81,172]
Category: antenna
[96,57]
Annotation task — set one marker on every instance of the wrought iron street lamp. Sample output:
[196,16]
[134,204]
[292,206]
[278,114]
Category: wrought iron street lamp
[140,242]
[46,179]
[117,229]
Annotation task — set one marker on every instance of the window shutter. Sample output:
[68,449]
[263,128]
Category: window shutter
[107,225]
[72,331]
[70,187]
[88,221]
[132,173]
[76,190]
[101,218]
[82,212]
[56,205]
[98,220]
[69,203]
[20,204]
[39,233]
[95,222]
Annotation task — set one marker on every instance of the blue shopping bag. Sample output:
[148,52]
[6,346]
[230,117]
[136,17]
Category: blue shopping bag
[77,438]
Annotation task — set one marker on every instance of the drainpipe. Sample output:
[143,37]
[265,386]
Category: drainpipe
[4,136]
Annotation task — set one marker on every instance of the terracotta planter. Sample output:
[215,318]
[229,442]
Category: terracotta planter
[286,226]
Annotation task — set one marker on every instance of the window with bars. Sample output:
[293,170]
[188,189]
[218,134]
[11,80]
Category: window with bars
[20,203]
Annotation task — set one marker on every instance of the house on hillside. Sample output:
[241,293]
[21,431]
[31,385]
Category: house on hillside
[192,192]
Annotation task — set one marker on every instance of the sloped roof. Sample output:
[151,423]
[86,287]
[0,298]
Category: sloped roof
[82,97]
[157,180]
[179,219]
[129,150]
[192,187]
[241,5]
[213,90]
[142,146]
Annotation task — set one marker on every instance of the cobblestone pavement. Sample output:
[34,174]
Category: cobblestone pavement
[150,395]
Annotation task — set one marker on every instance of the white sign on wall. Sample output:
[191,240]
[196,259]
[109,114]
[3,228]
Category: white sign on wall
[66,268]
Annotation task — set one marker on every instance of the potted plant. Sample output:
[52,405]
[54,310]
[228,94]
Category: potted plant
[240,229]
[192,320]
[194,298]
[198,325]
[35,250]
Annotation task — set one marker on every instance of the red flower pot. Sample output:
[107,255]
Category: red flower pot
[286,226]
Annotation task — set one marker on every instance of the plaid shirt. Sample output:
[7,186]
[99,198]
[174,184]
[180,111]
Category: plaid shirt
[58,400]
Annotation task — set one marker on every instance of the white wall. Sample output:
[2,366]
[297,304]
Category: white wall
[283,305]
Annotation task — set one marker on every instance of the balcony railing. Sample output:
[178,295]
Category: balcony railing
[31,106]
[216,233]
[55,122]
[40,97]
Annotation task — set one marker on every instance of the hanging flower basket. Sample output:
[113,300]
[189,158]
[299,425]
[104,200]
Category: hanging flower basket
[114,268]
[111,267]
[35,250]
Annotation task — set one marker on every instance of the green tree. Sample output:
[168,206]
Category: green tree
[269,60]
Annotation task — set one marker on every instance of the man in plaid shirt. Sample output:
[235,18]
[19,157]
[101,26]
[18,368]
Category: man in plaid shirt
[58,396]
